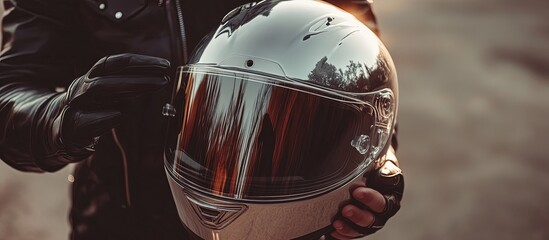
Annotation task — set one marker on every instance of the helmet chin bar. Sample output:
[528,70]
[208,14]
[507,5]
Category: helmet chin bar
[217,219]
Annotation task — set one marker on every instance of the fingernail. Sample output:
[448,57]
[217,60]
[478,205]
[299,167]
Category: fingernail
[360,196]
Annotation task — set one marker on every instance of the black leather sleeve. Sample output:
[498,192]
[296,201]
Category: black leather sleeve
[36,57]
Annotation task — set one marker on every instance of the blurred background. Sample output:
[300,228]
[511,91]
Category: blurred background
[474,127]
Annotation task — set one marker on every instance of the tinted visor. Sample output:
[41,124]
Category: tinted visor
[252,137]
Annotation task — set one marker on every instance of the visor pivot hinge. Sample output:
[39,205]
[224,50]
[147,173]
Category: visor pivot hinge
[168,110]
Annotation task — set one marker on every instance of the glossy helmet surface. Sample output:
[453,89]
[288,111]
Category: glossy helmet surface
[280,111]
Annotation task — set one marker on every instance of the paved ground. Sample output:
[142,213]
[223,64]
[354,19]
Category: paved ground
[474,112]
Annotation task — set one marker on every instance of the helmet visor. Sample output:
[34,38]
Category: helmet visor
[253,137]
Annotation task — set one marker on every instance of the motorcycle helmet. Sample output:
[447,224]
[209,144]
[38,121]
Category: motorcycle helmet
[278,115]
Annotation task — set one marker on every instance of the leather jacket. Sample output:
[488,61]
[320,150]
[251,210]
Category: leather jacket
[120,192]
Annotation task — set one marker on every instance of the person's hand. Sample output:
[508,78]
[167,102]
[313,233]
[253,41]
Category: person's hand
[373,205]
[71,122]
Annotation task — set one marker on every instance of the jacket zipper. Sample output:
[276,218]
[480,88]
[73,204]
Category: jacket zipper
[125,165]
[182,30]
[183,42]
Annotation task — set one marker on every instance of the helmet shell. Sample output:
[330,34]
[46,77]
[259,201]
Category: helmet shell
[309,41]
[278,46]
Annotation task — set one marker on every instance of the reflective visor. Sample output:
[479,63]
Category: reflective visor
[253,137]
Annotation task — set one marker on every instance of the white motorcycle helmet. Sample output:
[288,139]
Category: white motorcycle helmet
[277,117]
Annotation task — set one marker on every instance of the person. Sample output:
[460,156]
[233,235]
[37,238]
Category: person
[82,81]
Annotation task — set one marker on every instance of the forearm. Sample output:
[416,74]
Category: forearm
[32,62]
[21,115]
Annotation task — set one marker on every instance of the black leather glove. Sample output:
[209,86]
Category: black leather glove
[50,129]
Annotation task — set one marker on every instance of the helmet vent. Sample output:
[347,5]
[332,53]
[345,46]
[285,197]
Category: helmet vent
[211,215]
[249,63]
[215,215]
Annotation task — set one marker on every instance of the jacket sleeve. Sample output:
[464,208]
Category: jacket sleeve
[36,57]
